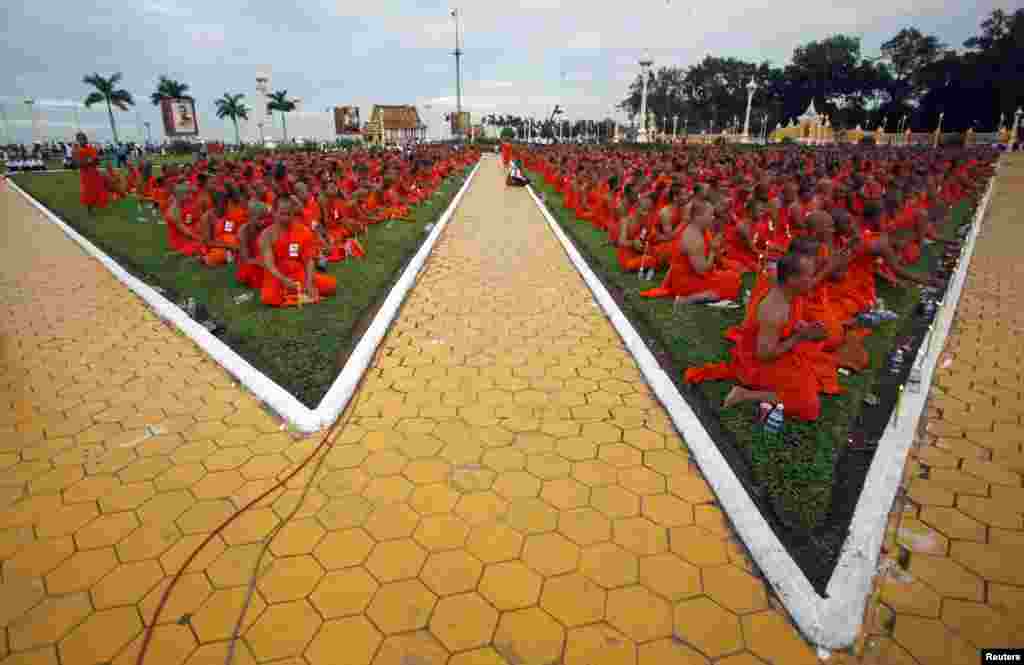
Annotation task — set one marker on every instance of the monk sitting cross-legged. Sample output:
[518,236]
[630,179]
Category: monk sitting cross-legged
[289,252]
[220,234]
[697,274]
[778,355]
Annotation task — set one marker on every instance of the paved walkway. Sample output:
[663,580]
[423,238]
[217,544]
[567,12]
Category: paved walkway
[956,582]
[508,490]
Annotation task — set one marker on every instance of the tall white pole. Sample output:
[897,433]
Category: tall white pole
[645,64]
[751,87]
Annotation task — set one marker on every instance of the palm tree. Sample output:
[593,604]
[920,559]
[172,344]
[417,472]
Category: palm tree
[107,91]
[279,102]
[232,106]
[169,89]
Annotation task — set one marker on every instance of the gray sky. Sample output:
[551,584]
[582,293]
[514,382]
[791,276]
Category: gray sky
[521,57]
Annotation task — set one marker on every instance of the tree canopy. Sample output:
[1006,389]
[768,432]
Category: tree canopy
[916,75]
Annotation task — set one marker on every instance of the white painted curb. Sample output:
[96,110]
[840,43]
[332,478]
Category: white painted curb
[834,621]
[277,398]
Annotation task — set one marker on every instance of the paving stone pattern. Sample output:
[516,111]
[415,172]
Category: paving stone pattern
[507,491]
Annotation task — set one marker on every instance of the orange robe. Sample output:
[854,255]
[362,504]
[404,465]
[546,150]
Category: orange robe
[226,232]
[93,191]
[683,280]
[797,378]
[293,248]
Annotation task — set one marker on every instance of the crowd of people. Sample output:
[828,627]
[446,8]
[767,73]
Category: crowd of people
[818,228]
[278,221]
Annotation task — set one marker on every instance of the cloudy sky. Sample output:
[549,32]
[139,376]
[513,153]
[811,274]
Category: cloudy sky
[520,57]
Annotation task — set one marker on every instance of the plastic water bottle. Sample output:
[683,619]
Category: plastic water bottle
[775,421]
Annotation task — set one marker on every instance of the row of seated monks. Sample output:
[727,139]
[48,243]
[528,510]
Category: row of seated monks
[816,227]
[281,222]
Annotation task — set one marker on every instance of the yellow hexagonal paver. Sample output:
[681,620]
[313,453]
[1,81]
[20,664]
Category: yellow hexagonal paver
[100,636]
[573,599]
[355,637]
[344,513]
[516,485]
[639,613]
[770,636]
[344,592]
[670,651]
[297,537]
[395,560]
[283,630]
[217,617]
[609,565]
[127,584]
[481,507]
[49,621]
[399,607]
[462,622]
[734,589]
[551,554]
[669,576]
[290,578]
[391,521]
[441,532]
[530,516]
[341,549]
[510,585]
[419,647]
[565,493]
[433,499]
[451,572]
[188,596]
[495,542]
[640,536]
[712,629]
[598,644]
[698,546]
[615,502]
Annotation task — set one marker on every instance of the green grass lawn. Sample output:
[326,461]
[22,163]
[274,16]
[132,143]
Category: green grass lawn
[797,479]
[301,349]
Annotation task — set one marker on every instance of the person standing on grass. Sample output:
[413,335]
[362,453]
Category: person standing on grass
[93,192]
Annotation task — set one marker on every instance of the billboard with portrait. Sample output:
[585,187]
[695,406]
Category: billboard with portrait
[346,120]
[180,117]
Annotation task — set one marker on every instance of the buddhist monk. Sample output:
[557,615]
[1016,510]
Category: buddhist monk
[776,354]
[93,193]
[183,235]
[288,250]
[220,233]
[696,274]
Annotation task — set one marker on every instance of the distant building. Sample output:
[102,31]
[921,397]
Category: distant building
[394,125]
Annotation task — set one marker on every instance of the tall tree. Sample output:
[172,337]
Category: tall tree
[168,88]
[824,71]
[232,106]
[906,57]
[278,101]
[106,91]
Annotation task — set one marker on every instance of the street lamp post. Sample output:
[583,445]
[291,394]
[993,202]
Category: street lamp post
[645,66]
[260,126]
[149,133]
[458,73]
[751,87]
[675,127]
[938,130]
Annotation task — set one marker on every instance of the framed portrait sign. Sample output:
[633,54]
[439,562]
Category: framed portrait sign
[180,117]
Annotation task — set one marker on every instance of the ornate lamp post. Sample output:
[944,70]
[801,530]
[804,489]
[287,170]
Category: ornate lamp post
[938,130]
[675,127]
[645,66]
[458,76]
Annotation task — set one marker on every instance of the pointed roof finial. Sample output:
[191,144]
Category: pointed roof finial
[810,112]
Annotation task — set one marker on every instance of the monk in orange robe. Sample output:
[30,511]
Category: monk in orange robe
[250,267]
[696,274]
[220,228]
[182,233]
[778,356]
[633,242]
[93,193]
[289,250]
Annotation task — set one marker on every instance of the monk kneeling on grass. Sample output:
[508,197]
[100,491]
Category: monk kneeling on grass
[696,274]
[778,355]
[289,250]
